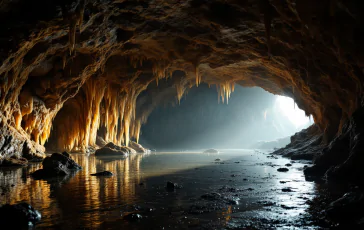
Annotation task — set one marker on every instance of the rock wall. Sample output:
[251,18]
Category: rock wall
[72,69]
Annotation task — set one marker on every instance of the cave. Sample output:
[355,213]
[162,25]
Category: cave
[82,79]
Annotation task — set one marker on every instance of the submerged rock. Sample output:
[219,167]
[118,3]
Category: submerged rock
[18,216]
[56,165]
[283,170]
[211,151]
[133,217]
[104,173]
[212,196]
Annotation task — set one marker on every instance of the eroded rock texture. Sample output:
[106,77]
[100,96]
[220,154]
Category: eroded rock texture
[72,70]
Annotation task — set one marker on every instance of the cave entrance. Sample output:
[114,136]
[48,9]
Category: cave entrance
[252,118]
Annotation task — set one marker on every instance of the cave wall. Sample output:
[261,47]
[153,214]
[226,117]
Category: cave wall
[66,62]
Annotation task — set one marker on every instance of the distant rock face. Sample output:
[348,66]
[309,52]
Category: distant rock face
[18,216]
[56,165]
[279,143]
[305,145]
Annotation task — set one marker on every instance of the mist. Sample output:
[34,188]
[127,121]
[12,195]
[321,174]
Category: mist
[252,118]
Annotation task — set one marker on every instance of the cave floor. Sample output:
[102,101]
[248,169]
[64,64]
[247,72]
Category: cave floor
[235,189]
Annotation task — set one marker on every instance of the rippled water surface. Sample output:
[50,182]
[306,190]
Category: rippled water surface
[247,182]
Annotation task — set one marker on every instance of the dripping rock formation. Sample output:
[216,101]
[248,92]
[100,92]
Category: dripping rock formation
[75,70]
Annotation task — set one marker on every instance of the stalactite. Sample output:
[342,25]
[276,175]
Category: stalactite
[180,91]
[198,76]
[224,91]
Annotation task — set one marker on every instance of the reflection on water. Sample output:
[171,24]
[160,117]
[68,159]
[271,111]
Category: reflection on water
[53,198]
[84,201]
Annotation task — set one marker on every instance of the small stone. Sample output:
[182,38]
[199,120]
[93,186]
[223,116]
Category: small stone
[133,217]
[173,186]
[286,190]
[283,170]
[233,201]
[217,159]
[211,196]
[288,165]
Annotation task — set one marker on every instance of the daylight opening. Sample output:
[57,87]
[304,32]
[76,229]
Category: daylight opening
[253,118]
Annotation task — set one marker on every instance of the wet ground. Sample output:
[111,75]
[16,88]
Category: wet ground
[236,189]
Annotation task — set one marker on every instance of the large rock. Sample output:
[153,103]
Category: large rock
[349,206]
[16,148]
[18,216]
[100,141]
[343,158]
[137,147]
[58,164]
[111,149]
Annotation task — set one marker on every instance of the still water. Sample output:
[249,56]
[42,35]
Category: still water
[247,183]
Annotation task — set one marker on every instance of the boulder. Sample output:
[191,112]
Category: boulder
[100,141]
[18,216]
[111,149]
[137,147]
[106,151]
[58,164]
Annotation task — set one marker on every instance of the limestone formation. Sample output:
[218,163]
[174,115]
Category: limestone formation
[73,70]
